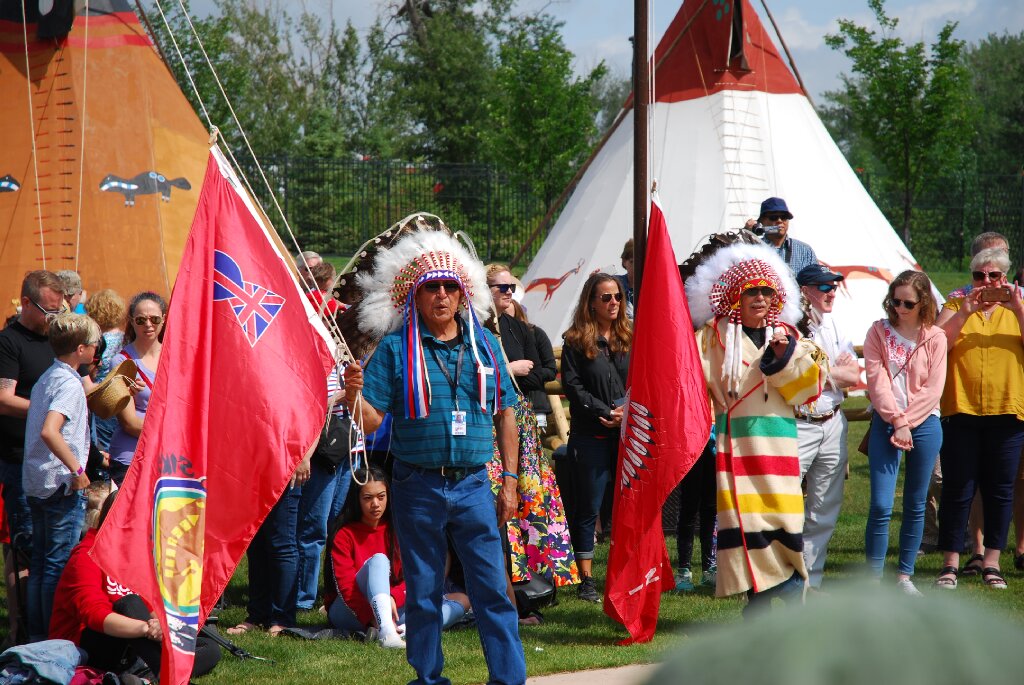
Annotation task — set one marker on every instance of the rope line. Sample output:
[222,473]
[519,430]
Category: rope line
[32,123]
[81,146]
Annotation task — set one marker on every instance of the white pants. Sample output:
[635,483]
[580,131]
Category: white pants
[822,449]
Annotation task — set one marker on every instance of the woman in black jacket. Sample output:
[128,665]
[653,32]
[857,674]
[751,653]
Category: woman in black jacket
[538,536]
[595,359]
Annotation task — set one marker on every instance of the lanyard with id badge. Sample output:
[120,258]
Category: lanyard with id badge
[458,416]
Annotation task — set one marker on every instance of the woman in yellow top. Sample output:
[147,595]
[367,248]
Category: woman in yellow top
[982,413]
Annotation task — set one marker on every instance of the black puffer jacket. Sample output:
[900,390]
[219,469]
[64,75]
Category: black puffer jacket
[519,342]
[592,386]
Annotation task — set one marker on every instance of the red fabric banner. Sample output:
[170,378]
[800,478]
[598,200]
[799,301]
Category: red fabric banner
[665,426]
[240,397]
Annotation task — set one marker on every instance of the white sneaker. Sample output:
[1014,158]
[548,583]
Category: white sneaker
[391,641]
[906,586]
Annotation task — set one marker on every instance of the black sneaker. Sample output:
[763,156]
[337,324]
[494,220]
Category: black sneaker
[588,590]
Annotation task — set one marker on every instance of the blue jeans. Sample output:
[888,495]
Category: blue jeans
[273,565]
[323,496]
[583,475]
[884,465]
[430,509]
[56,529]
[19,516]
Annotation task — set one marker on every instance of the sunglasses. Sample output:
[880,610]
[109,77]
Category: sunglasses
[47,312]
[607,297]
[976,275]
[827,287]
[775,217]
[434,286]
[764,291]
[155,320]
[906,304]
[505,287]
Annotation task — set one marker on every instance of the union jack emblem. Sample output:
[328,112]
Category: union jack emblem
[254,305]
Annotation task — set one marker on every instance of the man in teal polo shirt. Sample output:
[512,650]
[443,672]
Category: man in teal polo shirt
[442,439]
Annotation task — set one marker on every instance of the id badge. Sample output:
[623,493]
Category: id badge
[542,420]
[458,423]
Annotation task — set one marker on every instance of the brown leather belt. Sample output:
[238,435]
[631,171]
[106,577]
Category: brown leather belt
[820,418]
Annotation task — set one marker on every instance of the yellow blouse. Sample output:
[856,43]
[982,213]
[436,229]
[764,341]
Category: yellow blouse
[985,373]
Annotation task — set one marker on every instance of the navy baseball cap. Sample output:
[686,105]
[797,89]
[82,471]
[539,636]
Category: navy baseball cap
[817,274]
[775,205]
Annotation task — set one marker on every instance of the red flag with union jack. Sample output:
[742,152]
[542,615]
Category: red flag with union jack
[239,398]
[665,425]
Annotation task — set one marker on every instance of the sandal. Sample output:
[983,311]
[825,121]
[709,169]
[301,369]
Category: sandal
[974,566]
[275,630]
[992,577]
[947,578]
[242,628]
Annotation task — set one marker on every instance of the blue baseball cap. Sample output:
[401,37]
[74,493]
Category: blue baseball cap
[775,205]
[817,274]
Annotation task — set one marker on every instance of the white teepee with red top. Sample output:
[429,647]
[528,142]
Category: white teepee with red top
[730,126]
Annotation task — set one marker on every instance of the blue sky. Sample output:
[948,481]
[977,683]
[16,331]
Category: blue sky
[599,29]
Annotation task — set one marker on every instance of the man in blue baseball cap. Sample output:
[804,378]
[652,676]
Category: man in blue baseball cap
[774,217]
[821,426]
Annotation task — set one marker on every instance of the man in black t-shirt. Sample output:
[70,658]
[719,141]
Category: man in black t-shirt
[25,353]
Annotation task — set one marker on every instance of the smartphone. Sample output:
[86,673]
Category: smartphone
[1000,294]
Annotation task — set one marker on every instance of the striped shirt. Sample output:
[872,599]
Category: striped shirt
[59,389]
[428,442]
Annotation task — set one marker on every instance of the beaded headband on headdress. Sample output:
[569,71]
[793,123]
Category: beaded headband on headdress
[751,273]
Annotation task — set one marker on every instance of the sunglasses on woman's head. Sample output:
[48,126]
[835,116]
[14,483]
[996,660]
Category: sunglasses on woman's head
[607,297]
[434,286]
[142,320]
[764,291]
[906,304]
[505,287]
[992,275]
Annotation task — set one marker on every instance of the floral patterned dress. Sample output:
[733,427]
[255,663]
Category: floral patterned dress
[538,535]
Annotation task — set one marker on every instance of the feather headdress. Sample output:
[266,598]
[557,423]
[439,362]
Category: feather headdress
[416,250]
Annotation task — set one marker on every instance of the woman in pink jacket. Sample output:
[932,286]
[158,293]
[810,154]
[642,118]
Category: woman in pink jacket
[905,359]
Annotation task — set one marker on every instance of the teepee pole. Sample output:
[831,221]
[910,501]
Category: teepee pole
[785,48]
[641,98]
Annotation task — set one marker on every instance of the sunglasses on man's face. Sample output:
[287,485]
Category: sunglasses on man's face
[906,304]
[47,312]
[435,286]
[764,291]
[775,217]
[827,287]
[142,320]
[992,275]
[505,287]
[607,297]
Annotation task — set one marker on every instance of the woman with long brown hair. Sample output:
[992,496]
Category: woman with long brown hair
[595,360]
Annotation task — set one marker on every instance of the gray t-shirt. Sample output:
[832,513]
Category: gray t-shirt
[59,389]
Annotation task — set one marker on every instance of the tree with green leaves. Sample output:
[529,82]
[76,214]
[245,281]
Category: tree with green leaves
[996,65]
[911,107]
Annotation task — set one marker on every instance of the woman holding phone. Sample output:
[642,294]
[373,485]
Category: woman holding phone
[982,414]
[595,359]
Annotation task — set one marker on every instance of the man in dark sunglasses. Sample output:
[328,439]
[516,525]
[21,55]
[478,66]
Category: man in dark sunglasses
[821,425]
[25,354]
[774,219]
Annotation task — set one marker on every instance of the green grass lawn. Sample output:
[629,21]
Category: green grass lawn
[578,636]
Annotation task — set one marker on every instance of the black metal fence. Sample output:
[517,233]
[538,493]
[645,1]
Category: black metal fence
[334,205]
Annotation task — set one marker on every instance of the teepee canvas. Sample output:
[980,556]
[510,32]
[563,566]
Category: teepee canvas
[102,155]
[730,126]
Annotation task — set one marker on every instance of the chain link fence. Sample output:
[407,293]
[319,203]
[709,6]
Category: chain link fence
[334,205]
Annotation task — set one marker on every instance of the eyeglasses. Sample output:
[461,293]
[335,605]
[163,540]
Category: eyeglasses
[505,287]
[906,304]
[607,297]
[763,291]
[775,217]
[827,287]
[48,312]
[155,320]
[976,275]
[434,286]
